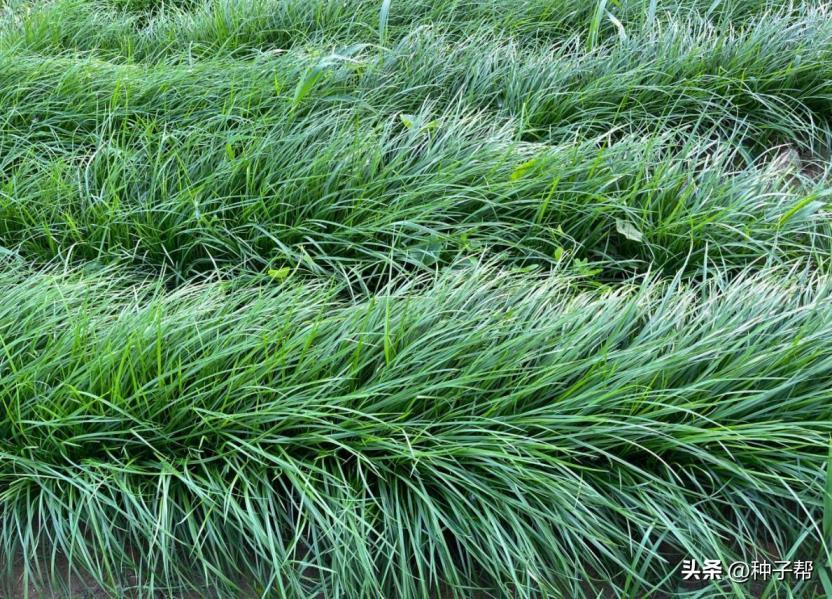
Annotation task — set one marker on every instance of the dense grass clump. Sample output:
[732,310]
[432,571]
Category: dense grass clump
[329,195]
[491,429]
[413,298]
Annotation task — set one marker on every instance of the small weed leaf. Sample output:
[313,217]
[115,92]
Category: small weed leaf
[585,268]
[628,230]
[425,253]
[280,274]
[524,168]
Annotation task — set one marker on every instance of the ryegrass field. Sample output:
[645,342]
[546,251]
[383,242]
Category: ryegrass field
[414,298]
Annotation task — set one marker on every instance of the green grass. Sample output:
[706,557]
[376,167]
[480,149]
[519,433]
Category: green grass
[154,29]
[508,430]
[333,195]
[415,298]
